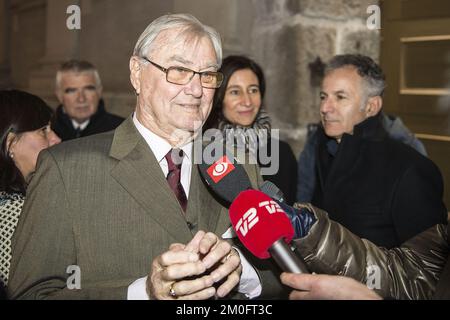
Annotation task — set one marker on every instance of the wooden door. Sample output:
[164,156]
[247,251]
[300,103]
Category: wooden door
[415,55]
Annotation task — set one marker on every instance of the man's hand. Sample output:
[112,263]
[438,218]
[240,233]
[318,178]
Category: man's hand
[179,273]
[182,271]
[326,287]
[223,262]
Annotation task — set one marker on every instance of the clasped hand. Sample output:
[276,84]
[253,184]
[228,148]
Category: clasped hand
[190,271]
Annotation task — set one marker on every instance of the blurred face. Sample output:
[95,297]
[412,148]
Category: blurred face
[26,147]
[167,109]
[242,98]
[342,96]
[79,94]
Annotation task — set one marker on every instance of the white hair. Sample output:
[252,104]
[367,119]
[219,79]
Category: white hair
[77,66]
[189,24]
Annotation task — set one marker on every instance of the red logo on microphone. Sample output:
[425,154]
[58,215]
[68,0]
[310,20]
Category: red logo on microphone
[220,169]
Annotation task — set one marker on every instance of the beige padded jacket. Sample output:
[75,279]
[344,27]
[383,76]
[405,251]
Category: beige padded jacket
[408,272]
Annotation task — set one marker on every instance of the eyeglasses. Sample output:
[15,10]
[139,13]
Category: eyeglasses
[182,76]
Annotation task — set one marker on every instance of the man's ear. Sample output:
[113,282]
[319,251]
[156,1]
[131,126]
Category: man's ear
[373,106]
[135,74]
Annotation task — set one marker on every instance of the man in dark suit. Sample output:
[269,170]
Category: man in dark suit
[82,110]
[118,208]
[379,188]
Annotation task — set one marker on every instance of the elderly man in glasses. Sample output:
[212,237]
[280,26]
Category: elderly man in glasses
[115,215]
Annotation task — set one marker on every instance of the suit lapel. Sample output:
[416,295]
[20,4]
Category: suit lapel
[141,176]
[347,159]
[344,162]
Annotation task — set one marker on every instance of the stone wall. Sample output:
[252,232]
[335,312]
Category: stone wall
[289,38]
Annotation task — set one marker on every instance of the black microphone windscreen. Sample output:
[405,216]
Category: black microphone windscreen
[225,176]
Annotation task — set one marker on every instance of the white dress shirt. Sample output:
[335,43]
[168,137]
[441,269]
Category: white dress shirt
[249,284]
[80,126]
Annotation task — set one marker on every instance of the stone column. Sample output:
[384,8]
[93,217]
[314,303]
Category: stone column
[61,44]
[232,19]
[5,80]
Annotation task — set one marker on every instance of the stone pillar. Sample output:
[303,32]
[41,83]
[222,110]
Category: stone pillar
[60,44]
[232,19]
[110,29]
[5,80]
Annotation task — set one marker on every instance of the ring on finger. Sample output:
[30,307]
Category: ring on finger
[229,255]
[172,292]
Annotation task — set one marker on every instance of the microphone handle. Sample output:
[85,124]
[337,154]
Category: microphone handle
[287,260]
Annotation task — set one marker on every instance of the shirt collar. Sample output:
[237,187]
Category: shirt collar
[80,126]
[159,146]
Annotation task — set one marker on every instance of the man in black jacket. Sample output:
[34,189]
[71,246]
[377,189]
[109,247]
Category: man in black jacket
[378,188]
[82,111]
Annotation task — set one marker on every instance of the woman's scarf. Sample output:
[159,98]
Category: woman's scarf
[251,138]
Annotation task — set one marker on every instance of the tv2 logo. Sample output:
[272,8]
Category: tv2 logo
[250,218]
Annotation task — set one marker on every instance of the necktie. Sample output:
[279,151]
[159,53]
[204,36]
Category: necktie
[174,158]
[78,132]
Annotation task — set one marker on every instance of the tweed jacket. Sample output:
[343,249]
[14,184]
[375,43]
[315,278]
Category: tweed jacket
[102,203]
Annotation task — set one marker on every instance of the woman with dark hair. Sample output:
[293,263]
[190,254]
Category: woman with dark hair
[24,131]
[239,113]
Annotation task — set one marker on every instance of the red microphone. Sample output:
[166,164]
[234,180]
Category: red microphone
[265,229]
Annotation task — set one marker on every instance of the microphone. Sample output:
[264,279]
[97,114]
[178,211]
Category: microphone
[227,180]
[265,229]
[272,191]
[301,218]
[225,177]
